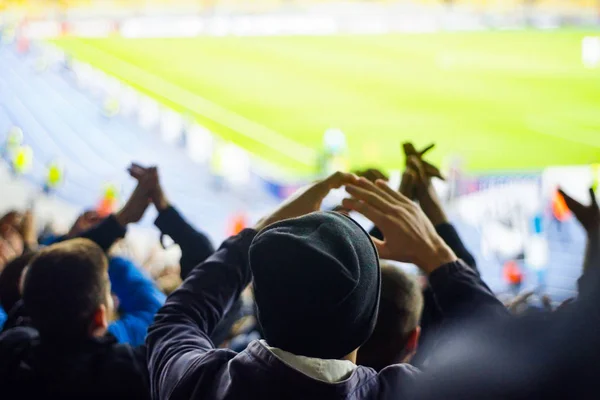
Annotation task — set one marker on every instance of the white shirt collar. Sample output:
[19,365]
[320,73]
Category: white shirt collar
[330,371]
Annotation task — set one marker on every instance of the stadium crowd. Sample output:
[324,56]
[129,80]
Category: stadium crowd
[304,305]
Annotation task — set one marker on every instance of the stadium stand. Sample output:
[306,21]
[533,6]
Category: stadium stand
[425,284]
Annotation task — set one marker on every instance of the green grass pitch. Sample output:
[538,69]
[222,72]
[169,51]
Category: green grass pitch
[509,100]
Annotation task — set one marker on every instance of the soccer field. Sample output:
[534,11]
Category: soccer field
[500,100]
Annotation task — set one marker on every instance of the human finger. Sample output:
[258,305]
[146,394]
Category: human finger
[137,171]
[375,174]
[338,179]
[426,149]
[416,164]
[432,170]
[382,249]
[593,197]
[398,197]
[407,184]
[370,197]
[370,186]
[409,149]
[573,204]
[369,211]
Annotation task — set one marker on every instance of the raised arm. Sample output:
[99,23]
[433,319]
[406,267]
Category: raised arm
[180,334]
[195,246]
[179,340]
[411,237]
[105,232]
[589,218]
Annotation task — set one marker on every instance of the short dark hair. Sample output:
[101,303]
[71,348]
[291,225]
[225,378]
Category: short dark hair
[10,279]
[63,288]
[400,309]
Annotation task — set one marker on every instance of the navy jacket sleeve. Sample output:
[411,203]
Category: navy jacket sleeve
[455,294]
[195,246]
[139,299]
[460,292]
[179,339]
[432,316]
[452,239]
[105,234]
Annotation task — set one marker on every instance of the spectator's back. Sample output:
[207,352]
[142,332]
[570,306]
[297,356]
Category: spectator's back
[97,368]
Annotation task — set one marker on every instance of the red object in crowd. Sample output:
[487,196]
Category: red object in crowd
[512,273]
[559,207]
[237,223]
[106,207]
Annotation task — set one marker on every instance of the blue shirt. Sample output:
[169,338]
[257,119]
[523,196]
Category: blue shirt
[139,299]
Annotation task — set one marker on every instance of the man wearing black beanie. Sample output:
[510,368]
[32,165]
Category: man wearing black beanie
[317,271]
[317,284]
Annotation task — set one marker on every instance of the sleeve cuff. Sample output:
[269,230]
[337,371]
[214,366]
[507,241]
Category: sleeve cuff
[164,218]
[447,231]
[440,276]
[113,226]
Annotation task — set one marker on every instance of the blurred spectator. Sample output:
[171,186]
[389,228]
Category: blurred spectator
[138,296]
[66,354]
[396,335]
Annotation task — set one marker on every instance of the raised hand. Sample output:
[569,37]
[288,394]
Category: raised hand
[138,202]
[409,235]
[307,200]
[412,155]
[588,216]
[372,174]
[157,193]
[84,222]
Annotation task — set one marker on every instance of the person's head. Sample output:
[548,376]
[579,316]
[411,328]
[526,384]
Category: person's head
[66,291]
[316,285]
[396,334]
[10,281]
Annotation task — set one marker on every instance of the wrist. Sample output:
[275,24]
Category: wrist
[160,200]
[162,204]
[122,218]
[439,255]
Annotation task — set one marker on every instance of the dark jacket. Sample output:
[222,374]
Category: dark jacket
[184,364]
[195,246]
[94,369]
[433,317]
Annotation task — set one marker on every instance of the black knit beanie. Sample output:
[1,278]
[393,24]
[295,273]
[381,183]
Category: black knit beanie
[316,284]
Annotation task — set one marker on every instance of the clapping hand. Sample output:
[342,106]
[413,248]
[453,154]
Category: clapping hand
[307,200]
[409,235]
[138,202]
[156,192]
[412,156]
[84,222]
[588,216]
